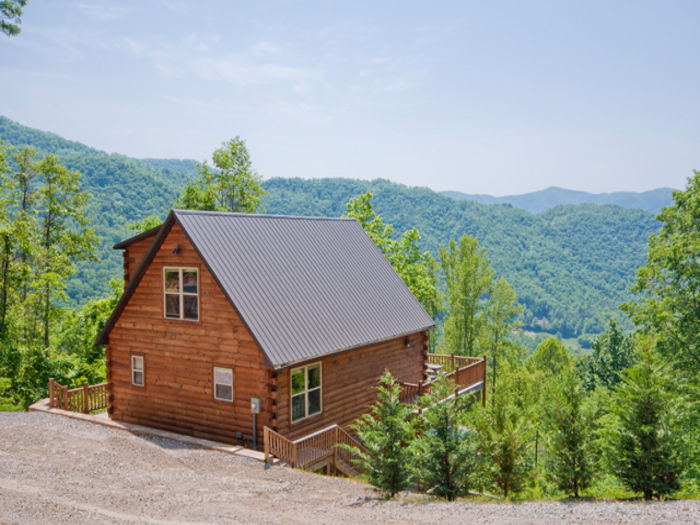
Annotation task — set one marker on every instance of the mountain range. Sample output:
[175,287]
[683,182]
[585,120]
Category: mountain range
[537,201]
[571,264]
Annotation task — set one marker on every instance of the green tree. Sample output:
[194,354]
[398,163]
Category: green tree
[232,186]
[468,278]
[551,357]
[417,269]
[643,436]
[569,443]
[64,232]
[11,16]
[670,281]
[612,352]
[386,432]
[444,451]
[503,434]
[502,311]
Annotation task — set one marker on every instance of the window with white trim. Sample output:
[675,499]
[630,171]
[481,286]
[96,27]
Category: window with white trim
[223,384]
[137,370]
[181,293]
[306,391]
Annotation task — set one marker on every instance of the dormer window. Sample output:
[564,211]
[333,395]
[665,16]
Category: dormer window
[181,293]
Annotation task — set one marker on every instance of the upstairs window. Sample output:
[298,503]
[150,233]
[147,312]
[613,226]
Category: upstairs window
[306,391]
[223,384]
[137,370]
[181,293]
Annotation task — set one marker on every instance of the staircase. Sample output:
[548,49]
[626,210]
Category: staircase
[315,452]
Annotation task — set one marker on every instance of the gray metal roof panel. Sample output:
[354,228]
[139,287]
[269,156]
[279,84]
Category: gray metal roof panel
[304,286]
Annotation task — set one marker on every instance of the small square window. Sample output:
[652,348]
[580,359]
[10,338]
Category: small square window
[223,384]
[137,370]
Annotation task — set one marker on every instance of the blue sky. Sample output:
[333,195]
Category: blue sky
[480,97]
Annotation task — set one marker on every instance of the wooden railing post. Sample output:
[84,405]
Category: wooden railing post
[483,388]
[266,443]
[86,403]
[452,356]
[50,392]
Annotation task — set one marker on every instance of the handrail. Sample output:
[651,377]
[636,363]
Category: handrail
[86,399]
[310,449]
[462,376]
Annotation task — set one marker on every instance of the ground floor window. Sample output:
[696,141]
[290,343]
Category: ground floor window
[223,384]
[306,391]
[137,370]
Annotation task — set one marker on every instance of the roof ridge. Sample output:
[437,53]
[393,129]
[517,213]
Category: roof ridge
[260,215]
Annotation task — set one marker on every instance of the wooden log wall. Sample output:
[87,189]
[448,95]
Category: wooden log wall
[179,356]
[133,255]
[348,380]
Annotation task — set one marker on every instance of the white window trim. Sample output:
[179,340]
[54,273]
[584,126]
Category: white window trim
[134,370]
[215,383]
[181,294]
[306,391]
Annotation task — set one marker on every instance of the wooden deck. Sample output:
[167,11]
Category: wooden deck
[467,373]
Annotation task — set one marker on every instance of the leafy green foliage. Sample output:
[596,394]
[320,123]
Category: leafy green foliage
[670,281]
[232,187]
[11,16]
[644,439]
[613,352]
[550,357]
[385,433]
[444,451]
[569,422]
[468,278]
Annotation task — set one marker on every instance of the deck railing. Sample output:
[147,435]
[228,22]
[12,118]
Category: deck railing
[86,399]
[462,371]
[313,451]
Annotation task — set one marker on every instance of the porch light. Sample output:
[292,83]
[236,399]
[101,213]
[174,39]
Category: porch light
[407,342]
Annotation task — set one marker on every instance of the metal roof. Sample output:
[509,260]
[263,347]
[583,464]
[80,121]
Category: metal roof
[304,286]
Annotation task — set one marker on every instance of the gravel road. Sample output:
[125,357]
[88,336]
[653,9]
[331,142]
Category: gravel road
[58,470]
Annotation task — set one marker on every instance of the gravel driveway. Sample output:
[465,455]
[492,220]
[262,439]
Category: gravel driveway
[58,470]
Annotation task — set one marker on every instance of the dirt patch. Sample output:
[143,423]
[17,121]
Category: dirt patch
[57,470]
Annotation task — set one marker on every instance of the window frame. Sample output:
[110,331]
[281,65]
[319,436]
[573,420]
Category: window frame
[306,391]
[134,357]
[214,382]
[180,294]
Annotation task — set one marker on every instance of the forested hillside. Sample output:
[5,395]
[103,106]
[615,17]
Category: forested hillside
[537,201]
[123,190]
[570,266]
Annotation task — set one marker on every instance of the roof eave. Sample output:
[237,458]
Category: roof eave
[282,366]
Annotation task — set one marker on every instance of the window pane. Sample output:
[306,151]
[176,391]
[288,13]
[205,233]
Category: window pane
[138,378]
[190,306]
[315,401]
[172,306]
[314,376]
[189,281]
[223,376]
[298,409]
[172,280]
[137,362]
[224,392]
[298,381]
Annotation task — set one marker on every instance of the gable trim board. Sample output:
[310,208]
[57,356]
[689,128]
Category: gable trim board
[304,287]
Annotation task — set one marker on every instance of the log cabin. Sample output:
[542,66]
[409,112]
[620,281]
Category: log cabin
[226,314]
